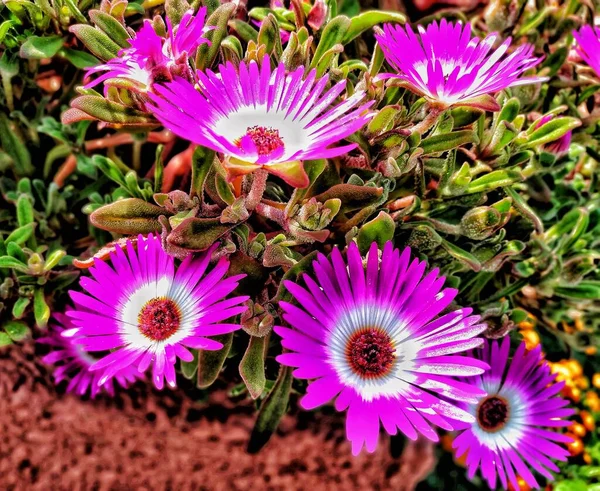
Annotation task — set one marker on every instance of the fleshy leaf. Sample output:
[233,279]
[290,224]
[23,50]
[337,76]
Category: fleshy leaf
[211,362]
[197,234]
[96,41]
[38,47]
[252,366]
[380,230]
[271,411]
[128,216]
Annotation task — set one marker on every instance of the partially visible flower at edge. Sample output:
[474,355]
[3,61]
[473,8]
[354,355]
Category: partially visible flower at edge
[369,337]
[148,312]
[152,57]
[444,64]
[588,46]
[262,119]
[73,364]
[510,433]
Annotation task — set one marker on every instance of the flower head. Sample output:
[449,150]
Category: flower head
[510,433]
[147,311]
[152,57]
[444,64]
[73,364]
[588,46]
[370,337]
[260,118]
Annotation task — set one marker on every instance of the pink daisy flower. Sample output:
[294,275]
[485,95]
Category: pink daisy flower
[262,119]
[73,364]
[511,431]
[447,66]
[152,57]
[369,337]
[588,46]
[148,312]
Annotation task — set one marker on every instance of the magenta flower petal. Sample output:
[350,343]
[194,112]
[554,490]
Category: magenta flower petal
[371,339]
[188,35]
[508,435]
[72,363]
[588,46]
[261,118]
[446,65]
[148,312]
[151,54]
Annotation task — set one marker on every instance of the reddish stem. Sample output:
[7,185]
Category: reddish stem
[178,166]
[271,213]
[164,136]
[65,170]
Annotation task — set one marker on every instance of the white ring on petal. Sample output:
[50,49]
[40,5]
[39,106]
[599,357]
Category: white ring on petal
[235,125]
[513,430]
[375,316]
[163,288]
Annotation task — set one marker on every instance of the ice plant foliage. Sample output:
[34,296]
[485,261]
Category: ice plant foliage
[446,65]
[148,312]
[73,364]
[280,133]
[259,118]
[588,46]
[152,57]
[283,34]
[561,145]
[513,424]
[370,337]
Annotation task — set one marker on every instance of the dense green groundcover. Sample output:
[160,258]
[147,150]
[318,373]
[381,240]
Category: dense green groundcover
[480,195]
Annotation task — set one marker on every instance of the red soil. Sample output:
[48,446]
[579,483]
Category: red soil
[147,440]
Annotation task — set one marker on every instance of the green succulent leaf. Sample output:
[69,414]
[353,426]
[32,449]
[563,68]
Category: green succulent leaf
[8,262]
[41,310]
[447,141]
[380,230]
[111,112]
[197,234]
[38,47]
[333,34]
[211,362]
[585,290]
[367,20]
[552,131]
[207,53]
[96,41]
[129,216]
[22,234]
[271,410]
[111,27]
[17,331]
[252,366]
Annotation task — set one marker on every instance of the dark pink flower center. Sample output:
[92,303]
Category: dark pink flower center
[159,319]
[370,353]
[492,413]
[266,139]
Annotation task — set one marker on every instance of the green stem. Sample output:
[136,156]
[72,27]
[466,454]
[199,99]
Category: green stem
[8,92]
[137,155]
